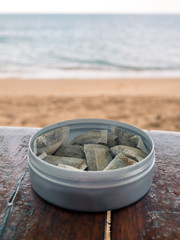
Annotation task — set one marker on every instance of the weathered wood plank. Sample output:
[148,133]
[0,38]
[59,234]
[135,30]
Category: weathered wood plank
[33,218]
[13,165]
[157,215]
[24,215]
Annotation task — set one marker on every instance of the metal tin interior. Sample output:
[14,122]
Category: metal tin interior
[94,190]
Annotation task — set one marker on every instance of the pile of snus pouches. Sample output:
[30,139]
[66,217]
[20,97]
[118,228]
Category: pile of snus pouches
[95,150]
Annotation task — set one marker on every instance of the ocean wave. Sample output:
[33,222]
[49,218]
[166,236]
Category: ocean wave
[67,45]
[87,74]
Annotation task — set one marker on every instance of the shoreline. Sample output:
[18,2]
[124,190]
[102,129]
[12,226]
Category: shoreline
[91,74]
[167,87]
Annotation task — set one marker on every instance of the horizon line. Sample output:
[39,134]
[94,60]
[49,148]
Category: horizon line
[94,13]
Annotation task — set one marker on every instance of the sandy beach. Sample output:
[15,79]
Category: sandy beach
[145,103]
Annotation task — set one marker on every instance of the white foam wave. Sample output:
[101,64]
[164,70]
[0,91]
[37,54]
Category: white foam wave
[89,74]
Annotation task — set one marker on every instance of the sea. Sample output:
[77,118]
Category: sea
[89,46]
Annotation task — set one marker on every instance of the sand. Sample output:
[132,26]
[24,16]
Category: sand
[145,103]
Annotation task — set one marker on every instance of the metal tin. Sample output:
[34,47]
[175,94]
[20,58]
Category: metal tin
[92,191]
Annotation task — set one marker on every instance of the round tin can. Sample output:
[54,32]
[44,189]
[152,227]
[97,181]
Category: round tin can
[91,191]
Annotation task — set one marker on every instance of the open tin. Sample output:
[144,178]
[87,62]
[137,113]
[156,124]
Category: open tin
[91,191]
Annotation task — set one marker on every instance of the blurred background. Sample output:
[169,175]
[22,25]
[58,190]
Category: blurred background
[82,59]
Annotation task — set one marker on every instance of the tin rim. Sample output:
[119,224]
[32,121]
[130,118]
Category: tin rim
[93,176]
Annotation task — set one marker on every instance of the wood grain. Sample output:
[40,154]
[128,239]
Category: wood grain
[24,215]
[157,215]
[13,165]
[33,218]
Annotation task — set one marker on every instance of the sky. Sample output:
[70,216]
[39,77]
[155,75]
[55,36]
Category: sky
[89,6]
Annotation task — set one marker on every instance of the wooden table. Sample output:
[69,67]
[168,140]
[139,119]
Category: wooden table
[24,215]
